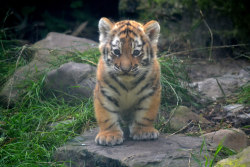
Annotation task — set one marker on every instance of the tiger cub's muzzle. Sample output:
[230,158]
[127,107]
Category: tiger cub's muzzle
[126,68]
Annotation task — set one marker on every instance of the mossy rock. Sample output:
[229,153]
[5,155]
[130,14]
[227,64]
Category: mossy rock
[239,160]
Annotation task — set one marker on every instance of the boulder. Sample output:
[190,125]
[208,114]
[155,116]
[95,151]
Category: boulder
[47,52]
[72,80]
[182,116]
[239,114]
[242,119]
[225,85]
[174,151]
[233,108]
[233,138]
[240,160]
[201,68]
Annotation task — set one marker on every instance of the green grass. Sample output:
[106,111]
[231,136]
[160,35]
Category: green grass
[28,139]
[244,95]
[206,158]
[174,81]
[90,56]
[11,51]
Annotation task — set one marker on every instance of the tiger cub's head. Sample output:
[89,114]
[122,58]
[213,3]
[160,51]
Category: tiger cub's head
[127,46]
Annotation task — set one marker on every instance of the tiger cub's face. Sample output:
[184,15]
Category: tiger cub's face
[128,47]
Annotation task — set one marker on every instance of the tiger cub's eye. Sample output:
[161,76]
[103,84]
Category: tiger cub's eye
[136,52]
[117,52]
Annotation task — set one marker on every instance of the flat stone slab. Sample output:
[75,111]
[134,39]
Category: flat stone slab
[172,151]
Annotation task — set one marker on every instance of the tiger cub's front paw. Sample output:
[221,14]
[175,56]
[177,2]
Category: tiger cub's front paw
[146,133]
[109,138]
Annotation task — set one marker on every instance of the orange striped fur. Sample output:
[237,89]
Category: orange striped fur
[128,86]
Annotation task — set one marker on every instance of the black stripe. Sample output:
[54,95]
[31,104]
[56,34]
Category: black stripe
[140,124]
[145,62]
[151,52]
[122,32]
[116,80]
[134,27]
[145,97]
[106,121]
[148,51]
[132,32]
[111,99]
[128,23]
[127,31]
[106,107]
[105,54]
[156,86]
[121,26]
[105,50]
[136,73]
[110,126]
[148,119]
[143,76]
[140,108]
[143,88]
[143,41]
[112,87]
[115,112]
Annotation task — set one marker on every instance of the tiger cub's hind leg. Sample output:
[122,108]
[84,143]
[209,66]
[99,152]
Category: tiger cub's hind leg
[142,127]
[110,132]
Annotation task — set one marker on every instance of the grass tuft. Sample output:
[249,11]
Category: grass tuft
[244,95]
[174,81]
[28,139]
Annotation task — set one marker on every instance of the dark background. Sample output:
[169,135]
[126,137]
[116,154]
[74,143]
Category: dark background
[31,21]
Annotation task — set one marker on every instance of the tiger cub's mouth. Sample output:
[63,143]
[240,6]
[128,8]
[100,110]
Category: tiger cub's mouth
[131,71]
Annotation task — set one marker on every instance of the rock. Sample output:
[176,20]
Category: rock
[241,160]
[201,69]
[182,116]
[240,120]
[72,80]
[244,118]
[226,85]
[171,151]
[233,108]
[238,114]
[47,52]
[233,138]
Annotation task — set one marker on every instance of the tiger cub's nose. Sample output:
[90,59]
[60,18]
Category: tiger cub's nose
[126,69]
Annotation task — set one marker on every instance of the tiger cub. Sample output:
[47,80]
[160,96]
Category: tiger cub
[128,81]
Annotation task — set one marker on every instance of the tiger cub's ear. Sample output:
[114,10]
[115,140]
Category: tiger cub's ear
[105,25]
[152,30]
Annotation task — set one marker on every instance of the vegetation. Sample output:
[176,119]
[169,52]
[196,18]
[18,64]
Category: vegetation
[203,159]
[27,135]
[229,13]
[11,51]
[174,80]
[244,95]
